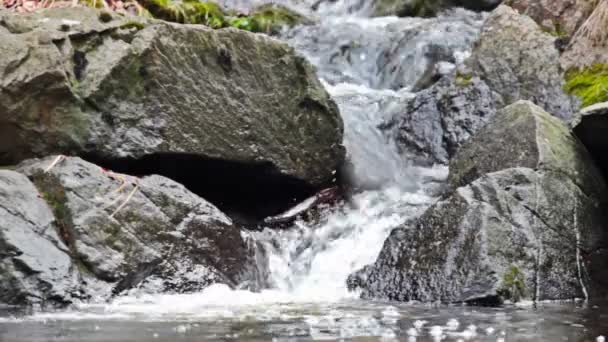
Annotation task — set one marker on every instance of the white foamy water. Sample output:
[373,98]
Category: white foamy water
[356,57]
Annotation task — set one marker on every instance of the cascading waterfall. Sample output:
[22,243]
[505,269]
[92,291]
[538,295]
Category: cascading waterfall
[370,66]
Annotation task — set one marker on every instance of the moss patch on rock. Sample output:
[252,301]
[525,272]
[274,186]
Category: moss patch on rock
[54,194]
[513,284]
[270,18]
[589,84]
[267,18]
[463,80]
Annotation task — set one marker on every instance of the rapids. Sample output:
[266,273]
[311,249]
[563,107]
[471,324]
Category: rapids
[369,66]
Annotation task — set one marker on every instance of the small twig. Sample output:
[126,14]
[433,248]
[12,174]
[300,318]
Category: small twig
[126,201]
[54,163]
[114,201]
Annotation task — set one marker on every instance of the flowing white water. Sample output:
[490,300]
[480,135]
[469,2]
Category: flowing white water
[367,65]
[310,262]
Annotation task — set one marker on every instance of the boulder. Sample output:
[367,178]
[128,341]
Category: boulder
[82,82]
[560,18]
[520,62]
[122,232]
[590,126]
[588,47]
[35,265]
[525,222]
[512,60]
[440,119]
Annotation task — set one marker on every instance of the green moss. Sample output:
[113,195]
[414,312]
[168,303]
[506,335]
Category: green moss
[186,12]
[54,194]
[133,24]
[267,18]
[8,167]
[92,3]
[556,31]
[271,18]
[463,80]
[105,17]
[589,84]
[423,8]
[513,284]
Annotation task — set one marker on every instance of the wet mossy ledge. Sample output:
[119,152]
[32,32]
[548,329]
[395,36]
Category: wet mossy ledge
[269,18]
[590,84]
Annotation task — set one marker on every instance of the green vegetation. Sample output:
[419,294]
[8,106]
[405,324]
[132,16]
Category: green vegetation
[53,193]
[422,8]
[133,24]
[186,12]
[463,79]
[513,284]
[556,31]
[589,84]
[271,18]
[267,18]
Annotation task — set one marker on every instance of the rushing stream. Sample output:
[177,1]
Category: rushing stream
[370,67]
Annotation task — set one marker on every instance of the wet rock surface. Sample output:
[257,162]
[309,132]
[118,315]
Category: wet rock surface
[124,88]
[35,266]
[524,221]
[440,119]
[115,232]
[512,60]
[560,17]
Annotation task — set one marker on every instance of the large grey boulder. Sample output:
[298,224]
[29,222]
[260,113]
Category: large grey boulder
[512,60]
[163,239]
[82,82]
[438,120]
[35,266]
[518,60]
[525,221]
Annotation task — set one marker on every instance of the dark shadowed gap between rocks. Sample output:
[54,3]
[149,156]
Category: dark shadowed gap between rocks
[246,192]
[596,144]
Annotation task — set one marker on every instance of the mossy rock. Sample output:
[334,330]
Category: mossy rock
[266,18]
[513,284]
[186,12]
[589,84]
[463,80]
[271,18]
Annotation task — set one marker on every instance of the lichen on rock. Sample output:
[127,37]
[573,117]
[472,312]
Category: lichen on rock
[525,194]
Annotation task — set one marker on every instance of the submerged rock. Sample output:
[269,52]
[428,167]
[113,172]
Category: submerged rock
[512,60]
[524,221]
[108,87]
[115,232]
